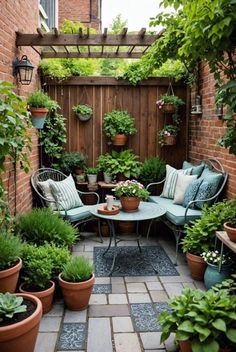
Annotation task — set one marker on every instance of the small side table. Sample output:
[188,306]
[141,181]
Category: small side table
[223,237]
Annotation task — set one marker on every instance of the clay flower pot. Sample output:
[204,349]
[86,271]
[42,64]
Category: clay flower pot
[126,227]
[119,139]
[21,336]
[129,204]
[169,140]
[45,296]
[231,231]
[9,278]
[168,108]
[38,116]
[76,294]
[197,266]
[186,346]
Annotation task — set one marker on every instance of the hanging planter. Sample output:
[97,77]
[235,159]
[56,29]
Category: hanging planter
[119,139]
[168,135]
[83,112]
[38,103]
[38,116]
[169,140]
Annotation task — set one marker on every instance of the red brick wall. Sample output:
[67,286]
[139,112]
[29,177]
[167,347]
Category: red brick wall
[85,11]
[22,16]
[206,129]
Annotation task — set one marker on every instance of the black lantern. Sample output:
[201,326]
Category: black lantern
[23,70]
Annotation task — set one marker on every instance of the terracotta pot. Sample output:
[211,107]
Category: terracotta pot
[126,227]
[197,266]
[38,116]
[169,140]
[105,231]
[168,108]
[231,231]
[119,139]
[76,294]
[9,278]
[45,296]
[185,346]
[22,336]
[129,204]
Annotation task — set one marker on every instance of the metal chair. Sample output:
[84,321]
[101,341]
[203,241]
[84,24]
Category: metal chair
[77,216]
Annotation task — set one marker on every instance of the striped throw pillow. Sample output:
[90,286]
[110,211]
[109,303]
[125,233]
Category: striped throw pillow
[171,180]
[65,193]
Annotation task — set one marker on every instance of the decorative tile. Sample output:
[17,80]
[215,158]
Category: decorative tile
[153,260]
[72,337]
[102,288]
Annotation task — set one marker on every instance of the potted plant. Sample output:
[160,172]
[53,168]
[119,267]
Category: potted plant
[39,103]
[76,282]
[167,136]
[218,268]
[230,225]
[152,170]
[170,104]
[130,192]
[83,111]
[20,316]
[10,262]
[73,163]
[105,165]
[92,174]
[118,125]
[201,320]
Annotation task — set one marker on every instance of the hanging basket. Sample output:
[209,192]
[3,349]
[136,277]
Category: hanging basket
[83,117]
[170,140]
[168,108]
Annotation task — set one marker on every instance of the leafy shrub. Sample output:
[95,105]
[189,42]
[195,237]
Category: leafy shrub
[10,249]
[39,99]
[82,109]
[77,269]
[116,122]
[71,161]
[42,225]
[152,170]
[10,305]
[59,257]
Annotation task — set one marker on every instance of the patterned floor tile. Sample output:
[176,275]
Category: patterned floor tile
[102,288]
[72,337]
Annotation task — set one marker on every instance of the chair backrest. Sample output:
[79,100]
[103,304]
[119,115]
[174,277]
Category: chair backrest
[44,174]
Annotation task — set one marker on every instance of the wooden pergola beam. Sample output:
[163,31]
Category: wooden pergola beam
[142,32]
[40,32]
[56,31]
[105,32]
[101,54]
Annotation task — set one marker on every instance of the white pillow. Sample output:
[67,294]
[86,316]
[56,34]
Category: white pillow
[45,188]
[65,193]
[171,179]
[181,185]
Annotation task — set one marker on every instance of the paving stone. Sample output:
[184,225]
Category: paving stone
[99,335]
[46,341]
[56,311]
[154,286]
[189,284]
[183,270]
[151,340]
[140,278]
[89,248]
[159,296]
[136,287]
[88,255]
[122,324]
[170,344]
[118,288]
[117,280]
[175,279]
[200,285]
[73,336]
[101,288]
[75,316]
[98,299]
[102,280]
[50,324]
[173,289]
[117,298]
[78,247]
[127,342]
[139,298]
[111,310]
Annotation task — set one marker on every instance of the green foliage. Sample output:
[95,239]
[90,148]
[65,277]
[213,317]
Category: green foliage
[71,161]
[175,101]
[207,318]
[91,171]
[118,24]
[10,249]
[116,122]
[135,72]
[200,235]
[83,109]
[37,267]
[171,68]
[152,170]
[106,163]
[168,130]
[10,305]
[77,269]
[59,257]
[5,216]
[131,188]
[39,99]
[42,225]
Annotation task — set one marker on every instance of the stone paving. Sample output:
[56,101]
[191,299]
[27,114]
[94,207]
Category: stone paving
[122,313]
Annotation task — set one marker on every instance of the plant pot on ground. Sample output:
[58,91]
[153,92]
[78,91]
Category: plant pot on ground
[118,123]
[39,103]
[10,262]
[152,170]
[76,282]
[83,111]
[20,316]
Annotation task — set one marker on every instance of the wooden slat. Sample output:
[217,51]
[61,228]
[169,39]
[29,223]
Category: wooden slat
[40,32]
[78,49]
[56,31]
[131,49]
[142,32]
[53,49]
[104,32]
[124,32]
[38,52]
[101,54]
[67,51]
[80,32]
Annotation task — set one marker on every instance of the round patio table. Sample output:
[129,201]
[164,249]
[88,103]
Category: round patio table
[146,211]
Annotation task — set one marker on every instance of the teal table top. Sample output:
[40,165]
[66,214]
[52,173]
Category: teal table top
[145,211]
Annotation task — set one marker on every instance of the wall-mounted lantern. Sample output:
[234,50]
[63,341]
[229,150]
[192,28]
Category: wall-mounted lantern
[23,70]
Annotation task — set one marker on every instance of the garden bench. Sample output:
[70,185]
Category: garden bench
[209,184]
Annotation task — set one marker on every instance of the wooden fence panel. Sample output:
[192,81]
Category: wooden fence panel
[105,94]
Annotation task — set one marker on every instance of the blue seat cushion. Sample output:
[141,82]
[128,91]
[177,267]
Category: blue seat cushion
[175,213]
[77,214]
[196,169]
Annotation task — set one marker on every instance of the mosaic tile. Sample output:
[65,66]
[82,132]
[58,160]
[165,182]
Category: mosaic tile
[102,288]
[72,337]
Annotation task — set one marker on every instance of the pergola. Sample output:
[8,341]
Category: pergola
[87,45]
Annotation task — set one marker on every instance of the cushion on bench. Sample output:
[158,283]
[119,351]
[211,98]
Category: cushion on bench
[78,213]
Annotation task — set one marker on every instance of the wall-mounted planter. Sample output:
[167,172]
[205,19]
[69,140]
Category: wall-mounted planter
[38,116]
[83,117]
[119,139]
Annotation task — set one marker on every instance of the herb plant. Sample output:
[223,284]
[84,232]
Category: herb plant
[59,256]
[39,99]
[10,305]
[126,163]
[91,171]
[82,109]
[152,170]
[71,161]
[10,249]
[105,163]
[118,122]
[77,269]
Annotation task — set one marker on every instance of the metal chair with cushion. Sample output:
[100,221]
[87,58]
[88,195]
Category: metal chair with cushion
[58,191]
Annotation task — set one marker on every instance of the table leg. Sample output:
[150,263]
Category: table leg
[113,235]
[149,227]
[138,236]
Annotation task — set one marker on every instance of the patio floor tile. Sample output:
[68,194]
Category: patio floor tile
[50,324]
[111,310]
[136,287]
[46,341]
[122,324]
[72,337]
[98,299]
[125,342]
[151,340]
[75,316]
[117,298]
[99,335]
[139,298]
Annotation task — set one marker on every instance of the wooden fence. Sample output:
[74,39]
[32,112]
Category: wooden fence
[105,94]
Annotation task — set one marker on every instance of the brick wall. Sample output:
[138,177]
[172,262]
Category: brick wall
[206,129]
[85,11]
[22,16]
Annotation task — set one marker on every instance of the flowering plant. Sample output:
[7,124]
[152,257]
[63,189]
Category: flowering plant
[213,257]
[168,130]
[131,188]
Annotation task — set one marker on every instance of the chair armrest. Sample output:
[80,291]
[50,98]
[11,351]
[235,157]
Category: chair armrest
[155,184]
[94,193]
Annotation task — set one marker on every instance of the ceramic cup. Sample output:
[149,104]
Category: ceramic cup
[110,202]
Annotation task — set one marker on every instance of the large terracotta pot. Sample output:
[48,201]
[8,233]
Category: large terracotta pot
[186,346]
[197,266]
[126,227]
[169,140]
[9,278]
[129,204]
[38,116]
[22,336]
[119,139]
[231,231]
[45,296]
[76,294]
